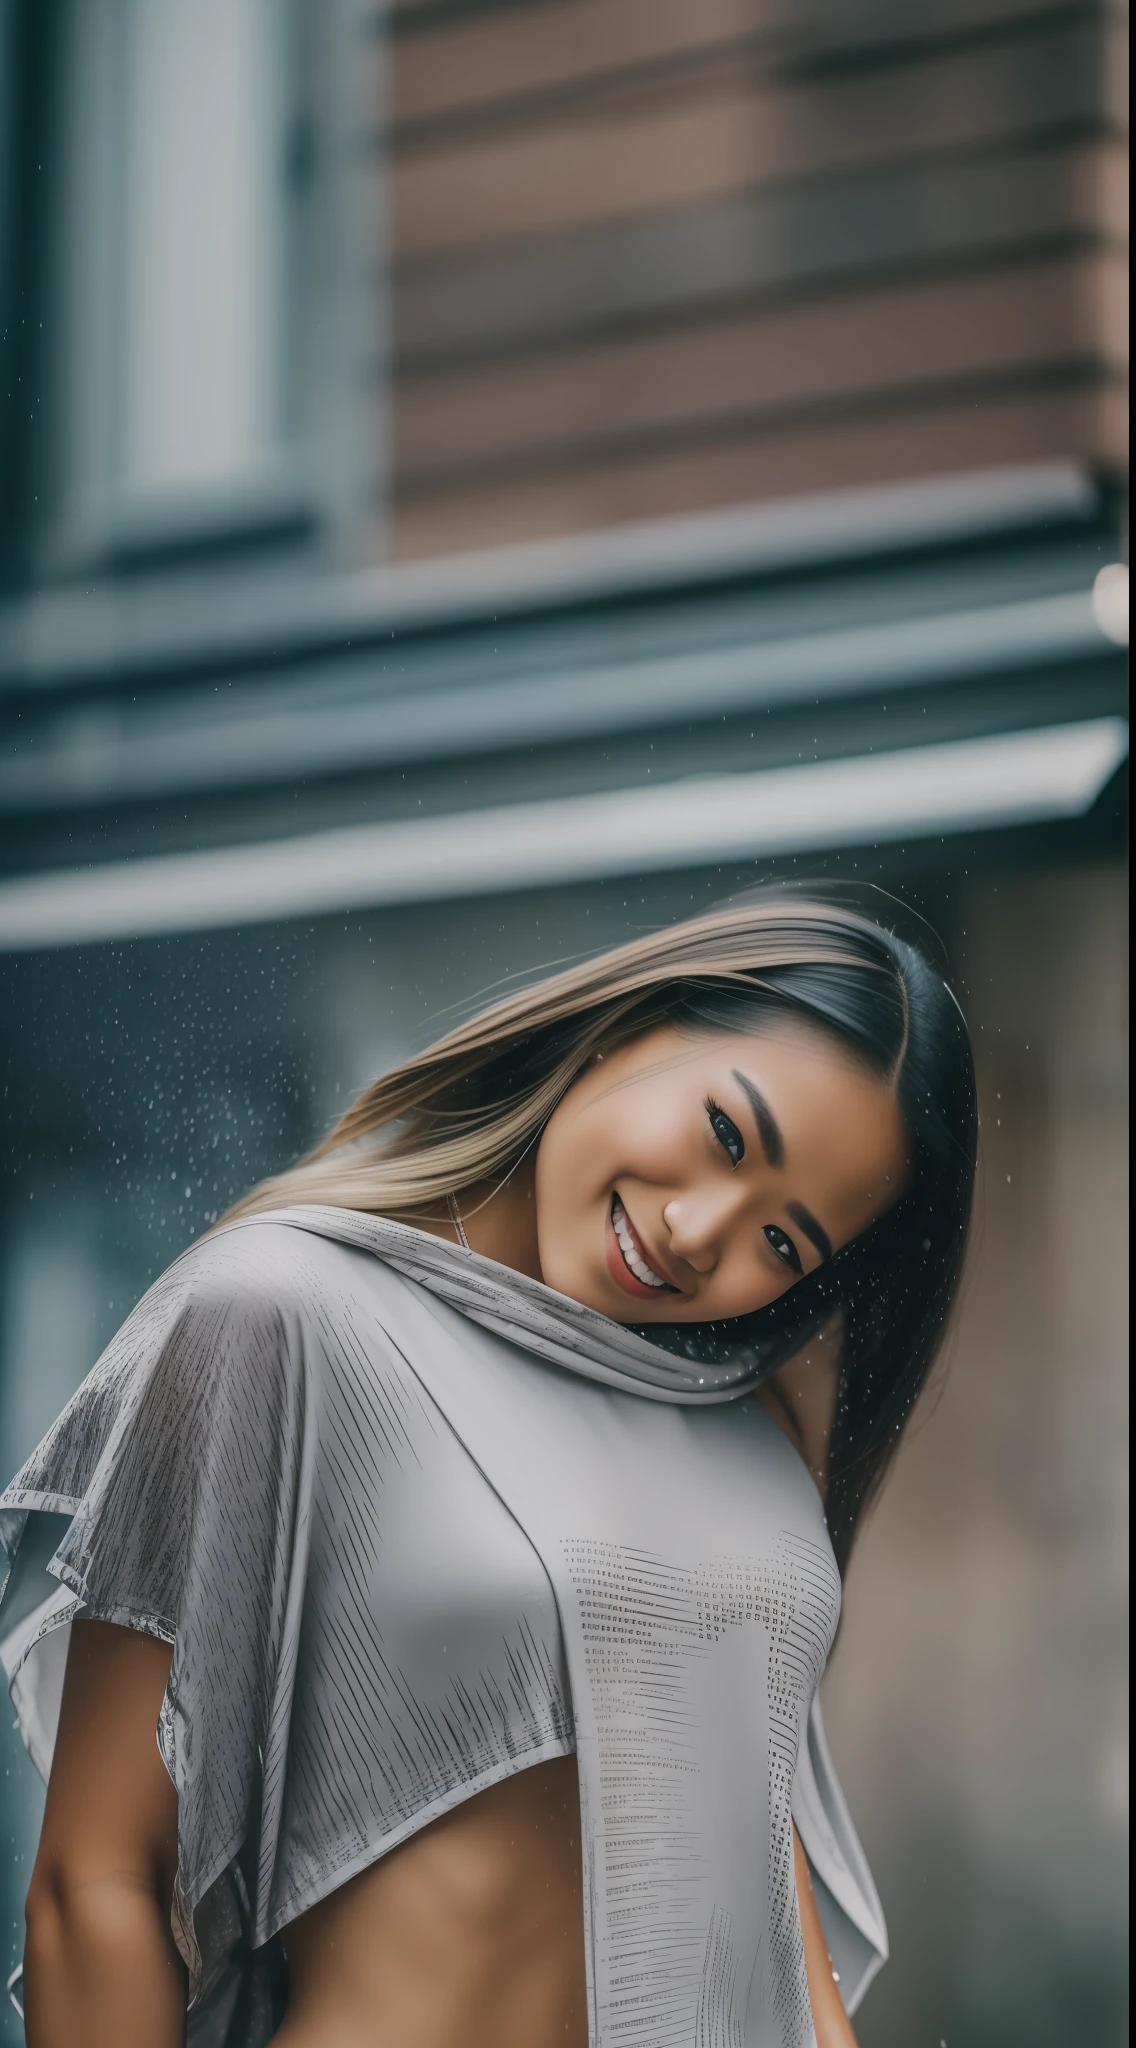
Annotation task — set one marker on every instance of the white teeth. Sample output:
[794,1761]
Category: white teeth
[631,1257]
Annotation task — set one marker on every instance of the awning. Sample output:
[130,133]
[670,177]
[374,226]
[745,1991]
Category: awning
[867,669]
[912,793]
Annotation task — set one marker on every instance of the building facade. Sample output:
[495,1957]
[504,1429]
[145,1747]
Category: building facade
[483,479]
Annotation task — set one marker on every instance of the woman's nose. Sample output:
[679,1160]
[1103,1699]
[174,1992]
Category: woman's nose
[697,1226]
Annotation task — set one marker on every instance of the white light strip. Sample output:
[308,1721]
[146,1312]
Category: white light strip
[1013,779]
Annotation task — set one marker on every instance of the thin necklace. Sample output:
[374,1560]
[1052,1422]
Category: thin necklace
[459,1226]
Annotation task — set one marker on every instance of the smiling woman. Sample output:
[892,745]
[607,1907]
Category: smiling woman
[863,1021]
[427,1512]
[700,1225]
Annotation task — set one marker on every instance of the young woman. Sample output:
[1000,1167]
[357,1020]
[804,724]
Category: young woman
[465,1516]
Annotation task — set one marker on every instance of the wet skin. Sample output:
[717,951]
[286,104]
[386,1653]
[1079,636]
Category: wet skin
[682,1178]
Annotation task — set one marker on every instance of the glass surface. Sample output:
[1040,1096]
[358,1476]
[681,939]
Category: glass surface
[203,189]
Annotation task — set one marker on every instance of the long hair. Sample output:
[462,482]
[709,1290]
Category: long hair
[468,1108]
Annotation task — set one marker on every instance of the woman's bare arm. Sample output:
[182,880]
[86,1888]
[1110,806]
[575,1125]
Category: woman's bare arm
[831,2022]
[101,1969]
[800,1397]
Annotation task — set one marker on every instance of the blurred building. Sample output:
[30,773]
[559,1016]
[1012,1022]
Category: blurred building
[484,478]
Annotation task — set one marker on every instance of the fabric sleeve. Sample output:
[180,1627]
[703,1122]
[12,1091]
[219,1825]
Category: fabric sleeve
[171,1497]
[847,1901]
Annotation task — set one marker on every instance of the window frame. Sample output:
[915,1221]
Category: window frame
[321,489]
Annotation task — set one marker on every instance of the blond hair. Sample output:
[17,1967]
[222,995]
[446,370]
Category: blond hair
[470,1105]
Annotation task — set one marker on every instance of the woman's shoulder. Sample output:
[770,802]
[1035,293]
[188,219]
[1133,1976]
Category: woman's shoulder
[259,1265]
[303,1301]
[255,1290]
[800,1398]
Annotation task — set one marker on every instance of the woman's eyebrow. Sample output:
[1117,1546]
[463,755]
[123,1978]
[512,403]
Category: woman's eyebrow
[768,1129]
[812,1229]
[773,1146]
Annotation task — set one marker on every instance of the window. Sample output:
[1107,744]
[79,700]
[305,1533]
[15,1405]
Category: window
[202,224]
[192,291]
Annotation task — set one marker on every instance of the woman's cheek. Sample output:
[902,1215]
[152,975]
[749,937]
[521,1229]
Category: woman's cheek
[570,1185]
[746,1289]
[658,1150]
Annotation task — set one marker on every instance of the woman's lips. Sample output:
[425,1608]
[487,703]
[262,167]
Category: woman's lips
[617,1264]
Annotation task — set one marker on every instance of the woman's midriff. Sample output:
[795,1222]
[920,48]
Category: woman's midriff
[470,1935]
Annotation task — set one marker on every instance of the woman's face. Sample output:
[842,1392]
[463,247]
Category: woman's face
[689,1177]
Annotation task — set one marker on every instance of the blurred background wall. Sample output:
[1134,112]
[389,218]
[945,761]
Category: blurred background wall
[483,479]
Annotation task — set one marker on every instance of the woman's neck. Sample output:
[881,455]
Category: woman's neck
[499,1220]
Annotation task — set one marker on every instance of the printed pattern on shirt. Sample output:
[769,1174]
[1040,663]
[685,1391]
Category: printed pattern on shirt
[647,1624]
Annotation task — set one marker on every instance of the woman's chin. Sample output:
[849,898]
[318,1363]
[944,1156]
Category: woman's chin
[599,1291]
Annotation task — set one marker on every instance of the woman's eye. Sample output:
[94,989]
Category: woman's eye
[727,1133]
[784,1247]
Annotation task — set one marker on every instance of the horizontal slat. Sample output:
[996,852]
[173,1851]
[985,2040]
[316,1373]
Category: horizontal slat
[449,67]
[967,785]
[1008,426]
[183,742]
[141,639]
[586,403]
[601,163]
[524,53]
[803,238]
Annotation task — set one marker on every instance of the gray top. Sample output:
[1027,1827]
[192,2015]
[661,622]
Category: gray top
[413,1522]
